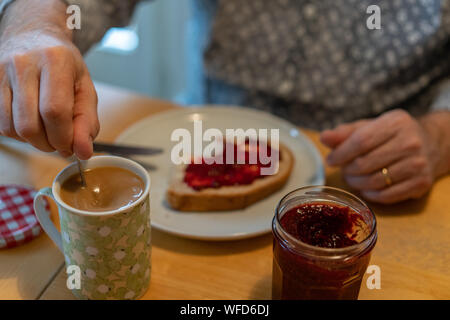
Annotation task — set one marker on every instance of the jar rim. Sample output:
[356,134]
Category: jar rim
[316,251]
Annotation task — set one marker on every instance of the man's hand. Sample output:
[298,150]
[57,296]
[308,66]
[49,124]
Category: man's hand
[396,141]
[47,97]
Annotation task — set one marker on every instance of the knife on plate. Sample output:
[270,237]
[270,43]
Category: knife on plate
[125,150]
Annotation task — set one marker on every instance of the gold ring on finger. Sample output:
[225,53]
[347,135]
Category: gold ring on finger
[387,176]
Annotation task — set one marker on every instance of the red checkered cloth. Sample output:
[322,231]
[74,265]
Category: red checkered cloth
[18,223]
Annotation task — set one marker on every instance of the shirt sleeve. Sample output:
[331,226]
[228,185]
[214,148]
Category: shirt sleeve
[442,99]
[97,16]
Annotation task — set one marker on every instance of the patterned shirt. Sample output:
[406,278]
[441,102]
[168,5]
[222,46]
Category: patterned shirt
[315,63]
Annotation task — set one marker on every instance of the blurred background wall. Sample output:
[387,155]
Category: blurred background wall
[159,54]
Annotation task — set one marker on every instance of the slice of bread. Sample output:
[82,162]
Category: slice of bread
[182,197]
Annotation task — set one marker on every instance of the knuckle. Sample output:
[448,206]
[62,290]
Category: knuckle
[57,54]
[414,143]
[52,112]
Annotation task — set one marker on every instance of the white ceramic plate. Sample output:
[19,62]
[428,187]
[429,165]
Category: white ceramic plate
[255,220]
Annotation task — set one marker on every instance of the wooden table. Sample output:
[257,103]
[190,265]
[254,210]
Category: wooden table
[413,250]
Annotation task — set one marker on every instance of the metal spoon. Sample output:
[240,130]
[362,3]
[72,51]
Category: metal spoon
[81,171]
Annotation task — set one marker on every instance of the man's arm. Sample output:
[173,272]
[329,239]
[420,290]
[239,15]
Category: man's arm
[97,16]
[21,16]
[47,97]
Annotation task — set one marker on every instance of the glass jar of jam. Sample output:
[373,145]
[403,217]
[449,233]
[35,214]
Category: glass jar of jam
[322,241]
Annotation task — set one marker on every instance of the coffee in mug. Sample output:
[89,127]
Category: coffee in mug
[107,188]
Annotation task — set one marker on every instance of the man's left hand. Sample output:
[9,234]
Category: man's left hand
[395,142]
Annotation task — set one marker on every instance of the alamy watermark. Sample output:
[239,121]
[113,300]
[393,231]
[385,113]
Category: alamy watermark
[374,280]
[74,20]
[373,22]
[252,142]
[73,277]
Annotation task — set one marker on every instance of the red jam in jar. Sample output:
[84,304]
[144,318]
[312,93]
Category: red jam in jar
[323,238]
[201,176]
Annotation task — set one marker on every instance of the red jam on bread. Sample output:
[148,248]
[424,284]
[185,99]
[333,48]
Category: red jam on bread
[201,176]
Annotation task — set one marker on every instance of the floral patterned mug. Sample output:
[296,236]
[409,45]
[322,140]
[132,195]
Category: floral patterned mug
[110,250]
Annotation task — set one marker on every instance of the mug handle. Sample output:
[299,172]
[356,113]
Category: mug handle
[44,218]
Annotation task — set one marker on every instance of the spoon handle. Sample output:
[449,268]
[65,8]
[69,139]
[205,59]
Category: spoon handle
[80,169]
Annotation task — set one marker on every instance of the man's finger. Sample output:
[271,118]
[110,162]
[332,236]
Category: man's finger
[408,189]
[333,138]
[56,107]
[400,171]
[362,140]
[379,158]
[27,121]
[6,119]
[86,124]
